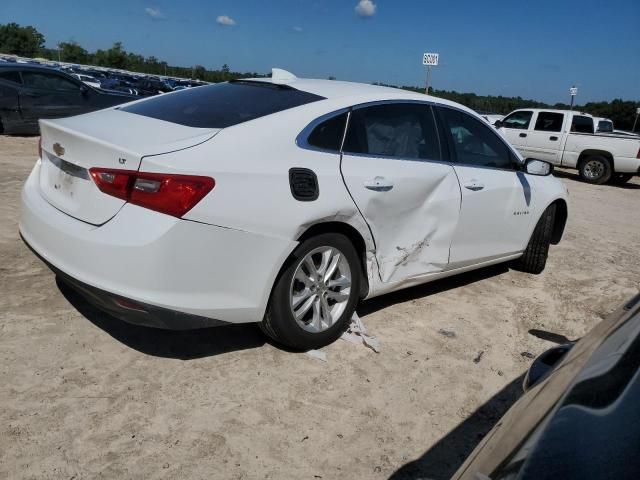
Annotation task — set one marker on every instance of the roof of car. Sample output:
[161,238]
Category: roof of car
[28,66]
[359,92]
[331,88]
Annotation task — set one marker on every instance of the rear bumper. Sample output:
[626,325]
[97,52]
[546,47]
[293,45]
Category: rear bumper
[166,265]
[129,310]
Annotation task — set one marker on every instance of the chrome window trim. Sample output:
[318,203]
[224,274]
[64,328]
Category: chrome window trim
[302,140]
[303,136]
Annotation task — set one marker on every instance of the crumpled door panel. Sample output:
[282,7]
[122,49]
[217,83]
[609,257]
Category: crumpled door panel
[412,222]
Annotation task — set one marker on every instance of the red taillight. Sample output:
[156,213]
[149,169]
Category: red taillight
[113,182]
[39,147]
[171,194]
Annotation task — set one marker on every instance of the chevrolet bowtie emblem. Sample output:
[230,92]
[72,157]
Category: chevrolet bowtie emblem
[58,149]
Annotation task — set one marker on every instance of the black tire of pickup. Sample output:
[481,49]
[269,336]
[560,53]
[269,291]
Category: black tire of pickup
[595,169]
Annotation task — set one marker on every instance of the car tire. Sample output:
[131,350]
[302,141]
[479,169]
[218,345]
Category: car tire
[534,258]
[311,304]
[620,178]
[595,169]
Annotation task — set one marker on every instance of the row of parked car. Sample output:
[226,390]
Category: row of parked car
[30,91]
[143,85]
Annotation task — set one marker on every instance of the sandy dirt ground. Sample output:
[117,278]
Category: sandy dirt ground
[85,396]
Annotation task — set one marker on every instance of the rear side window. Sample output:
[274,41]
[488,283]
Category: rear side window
[518,120]
[605,126]
[11,77]
[400,130]
[328,135]
[223,104]
[48,81]
[549,122]
[475,142]
[582,124]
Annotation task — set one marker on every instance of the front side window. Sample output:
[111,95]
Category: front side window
[518,120]
[549,122]
[47,81]
[328,135]
[474,142]
[394,130]
[582,124]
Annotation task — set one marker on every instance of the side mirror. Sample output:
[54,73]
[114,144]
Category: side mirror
[83,89]
[533,166]
[544,365]
[498,124]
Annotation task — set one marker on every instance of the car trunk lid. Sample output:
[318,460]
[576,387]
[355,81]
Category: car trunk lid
[107,139]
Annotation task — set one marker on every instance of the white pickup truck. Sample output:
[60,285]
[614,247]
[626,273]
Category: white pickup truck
[567,139]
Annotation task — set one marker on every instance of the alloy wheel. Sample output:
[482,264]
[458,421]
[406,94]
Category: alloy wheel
[320,289]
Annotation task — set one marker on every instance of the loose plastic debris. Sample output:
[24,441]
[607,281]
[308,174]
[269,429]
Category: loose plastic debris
[357,333]
[318,355]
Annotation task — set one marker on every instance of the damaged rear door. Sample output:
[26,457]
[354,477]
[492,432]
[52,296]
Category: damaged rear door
[392,165]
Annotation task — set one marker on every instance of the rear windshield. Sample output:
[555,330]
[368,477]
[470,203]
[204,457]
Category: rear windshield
[222,105]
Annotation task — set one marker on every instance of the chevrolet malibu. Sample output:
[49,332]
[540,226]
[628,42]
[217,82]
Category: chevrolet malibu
[282,201]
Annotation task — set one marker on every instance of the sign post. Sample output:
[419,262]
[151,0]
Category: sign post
[573,91]
[429,60]
[636,120]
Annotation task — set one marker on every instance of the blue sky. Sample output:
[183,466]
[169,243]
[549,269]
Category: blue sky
[535,49]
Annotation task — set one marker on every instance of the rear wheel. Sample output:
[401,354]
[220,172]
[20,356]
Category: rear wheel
[316,294]
[620,178]
[534,258]
[595,169]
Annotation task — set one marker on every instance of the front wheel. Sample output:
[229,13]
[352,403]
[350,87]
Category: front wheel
[316,294]
[595,169]
[534,258]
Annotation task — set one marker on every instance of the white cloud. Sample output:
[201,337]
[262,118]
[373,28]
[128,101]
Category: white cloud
[225,20]
[366,8]
[154,13]
[297,29]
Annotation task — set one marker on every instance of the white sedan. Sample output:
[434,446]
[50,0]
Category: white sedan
[280,200]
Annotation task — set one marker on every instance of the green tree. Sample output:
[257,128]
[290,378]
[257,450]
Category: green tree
[23,41]
[115,57]
[199,72]
[73,53]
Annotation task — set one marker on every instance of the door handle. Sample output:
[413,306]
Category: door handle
[523,135]
[379,184]
[553,138]
[474,185]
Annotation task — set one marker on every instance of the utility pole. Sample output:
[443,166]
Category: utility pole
[636,120]
[573,91]
[429,60]
[426,90]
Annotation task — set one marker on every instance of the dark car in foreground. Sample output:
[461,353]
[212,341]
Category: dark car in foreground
[29,93]
[580,415]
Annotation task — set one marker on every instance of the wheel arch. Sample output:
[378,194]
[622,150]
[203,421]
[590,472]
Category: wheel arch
[560,220]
